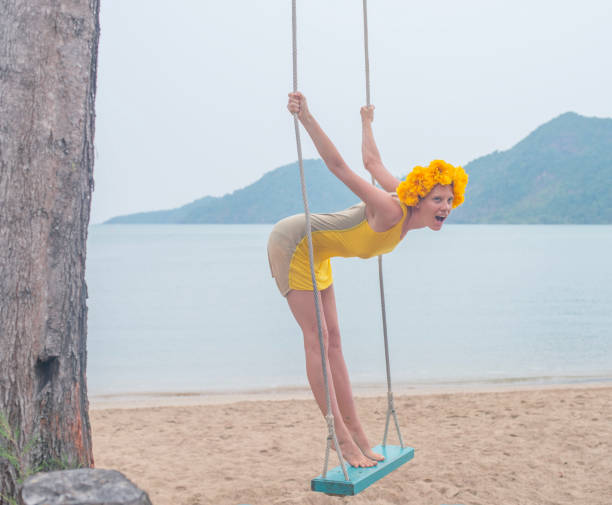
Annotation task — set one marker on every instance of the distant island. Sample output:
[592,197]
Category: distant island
[559,174]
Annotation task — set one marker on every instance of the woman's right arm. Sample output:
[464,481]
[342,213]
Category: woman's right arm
[380,202]
[369,151]
[330,155]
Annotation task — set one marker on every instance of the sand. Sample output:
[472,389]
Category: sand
[527,446]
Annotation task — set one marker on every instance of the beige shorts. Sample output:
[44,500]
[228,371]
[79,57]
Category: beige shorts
[284,238]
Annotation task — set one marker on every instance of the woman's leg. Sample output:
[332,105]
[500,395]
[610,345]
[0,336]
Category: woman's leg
[342,383]
[303,309]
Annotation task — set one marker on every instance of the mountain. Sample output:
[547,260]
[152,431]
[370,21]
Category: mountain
[276,195]
[560,173]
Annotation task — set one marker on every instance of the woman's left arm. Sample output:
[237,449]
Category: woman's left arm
[372,160]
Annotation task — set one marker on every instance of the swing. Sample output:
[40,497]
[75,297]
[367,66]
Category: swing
[340,480]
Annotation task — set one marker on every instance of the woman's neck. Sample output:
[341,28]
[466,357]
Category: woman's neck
[413,221]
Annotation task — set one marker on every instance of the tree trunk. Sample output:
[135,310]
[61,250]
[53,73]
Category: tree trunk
[48,63]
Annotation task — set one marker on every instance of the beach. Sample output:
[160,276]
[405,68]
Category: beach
[497,445]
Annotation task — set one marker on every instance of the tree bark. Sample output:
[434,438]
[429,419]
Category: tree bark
[48,64]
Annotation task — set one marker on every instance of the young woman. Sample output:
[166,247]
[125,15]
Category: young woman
[374,226]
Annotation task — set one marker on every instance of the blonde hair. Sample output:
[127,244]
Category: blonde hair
[421,180]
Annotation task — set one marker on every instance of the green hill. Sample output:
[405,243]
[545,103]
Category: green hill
[276,195]
[560,173]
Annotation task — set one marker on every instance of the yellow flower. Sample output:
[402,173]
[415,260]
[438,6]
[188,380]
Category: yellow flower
[421,180]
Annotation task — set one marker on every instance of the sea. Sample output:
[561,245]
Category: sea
[193,309]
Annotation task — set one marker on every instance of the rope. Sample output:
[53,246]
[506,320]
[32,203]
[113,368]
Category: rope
[390,404]
[367,53]
[331,435]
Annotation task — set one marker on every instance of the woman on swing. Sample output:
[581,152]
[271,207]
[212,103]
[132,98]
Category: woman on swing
[373,227]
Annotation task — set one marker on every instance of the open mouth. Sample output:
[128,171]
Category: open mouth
[440,218]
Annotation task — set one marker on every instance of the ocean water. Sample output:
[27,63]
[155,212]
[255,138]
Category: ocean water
[193,308]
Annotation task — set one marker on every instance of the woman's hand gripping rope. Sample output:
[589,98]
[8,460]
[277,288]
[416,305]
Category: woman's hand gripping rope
[297,105]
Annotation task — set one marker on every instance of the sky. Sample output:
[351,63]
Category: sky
[191,95]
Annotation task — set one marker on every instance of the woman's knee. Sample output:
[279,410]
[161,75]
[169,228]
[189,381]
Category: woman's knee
[335,343]
[331,342]
[312,341]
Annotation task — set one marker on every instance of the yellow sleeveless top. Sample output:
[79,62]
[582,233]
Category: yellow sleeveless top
[339,234]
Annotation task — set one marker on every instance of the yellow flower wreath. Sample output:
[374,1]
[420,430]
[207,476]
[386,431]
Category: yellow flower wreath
[421,181]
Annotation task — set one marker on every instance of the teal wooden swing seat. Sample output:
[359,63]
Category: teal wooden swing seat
[360,478]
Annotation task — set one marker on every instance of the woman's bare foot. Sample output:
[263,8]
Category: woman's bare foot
[354,456]
[369,453]
[364,445]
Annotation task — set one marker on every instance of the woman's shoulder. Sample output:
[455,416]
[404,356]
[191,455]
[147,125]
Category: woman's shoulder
[400,204]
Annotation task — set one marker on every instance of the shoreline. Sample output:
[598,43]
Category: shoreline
[149,399]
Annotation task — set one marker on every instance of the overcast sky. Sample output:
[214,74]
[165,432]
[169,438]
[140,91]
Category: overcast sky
[191,94]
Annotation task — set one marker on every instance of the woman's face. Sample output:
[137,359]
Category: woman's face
[436,206]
